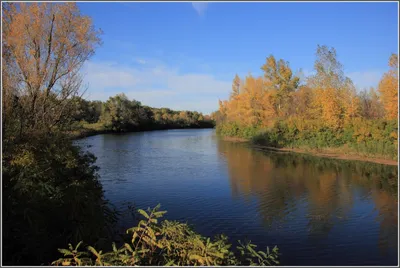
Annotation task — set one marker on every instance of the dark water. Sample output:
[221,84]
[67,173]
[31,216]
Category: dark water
[318,211]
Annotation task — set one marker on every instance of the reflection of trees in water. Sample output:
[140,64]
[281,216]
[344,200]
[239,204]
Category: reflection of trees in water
[388,217]
[281,180]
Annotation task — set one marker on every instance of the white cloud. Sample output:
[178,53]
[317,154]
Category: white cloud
[366,79]
[208,105]
[200,7]
[155,85]
[141,61]
[107,76]
[158,85]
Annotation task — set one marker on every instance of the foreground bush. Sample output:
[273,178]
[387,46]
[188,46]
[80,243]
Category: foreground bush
[168,243]
[51,195]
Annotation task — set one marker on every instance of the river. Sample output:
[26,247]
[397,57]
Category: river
[318,211]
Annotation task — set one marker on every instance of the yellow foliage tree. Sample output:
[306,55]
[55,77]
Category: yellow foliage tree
[235,87]
[351,104]
[328,98]
[279,78]
[331,108]
[389,89]
[302,100]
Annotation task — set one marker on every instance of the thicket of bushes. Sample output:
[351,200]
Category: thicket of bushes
[51,196]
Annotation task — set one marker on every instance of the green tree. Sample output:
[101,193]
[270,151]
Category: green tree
[121,114]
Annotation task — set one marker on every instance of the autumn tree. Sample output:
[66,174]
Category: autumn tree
[324,111]
[389,88]
[251,102]
[329,71]
[331,88]
[235,87]
[302,99]
[44,48]
[279,77]
[351,104]
[371,106]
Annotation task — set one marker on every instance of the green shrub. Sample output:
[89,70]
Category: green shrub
[366,137]
[51,195]
[168,243]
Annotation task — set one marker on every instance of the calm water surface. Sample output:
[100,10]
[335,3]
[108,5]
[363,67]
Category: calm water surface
[318,211]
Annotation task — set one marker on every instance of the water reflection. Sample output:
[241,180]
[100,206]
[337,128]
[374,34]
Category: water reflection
[314,209]
[323,190]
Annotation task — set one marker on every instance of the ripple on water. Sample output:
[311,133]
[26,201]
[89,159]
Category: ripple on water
[318,211]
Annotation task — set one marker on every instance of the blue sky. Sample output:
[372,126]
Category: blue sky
[185,55]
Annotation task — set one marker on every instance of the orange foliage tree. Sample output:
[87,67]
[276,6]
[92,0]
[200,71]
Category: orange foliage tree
[44,47]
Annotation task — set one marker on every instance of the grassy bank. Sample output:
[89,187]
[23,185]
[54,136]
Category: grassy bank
[366,140]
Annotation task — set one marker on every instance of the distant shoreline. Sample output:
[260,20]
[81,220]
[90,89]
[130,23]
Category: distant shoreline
[84,133]
[327,153]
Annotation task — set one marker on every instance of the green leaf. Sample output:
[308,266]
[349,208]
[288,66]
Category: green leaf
[143,213]
[197,258]
[114,247]
[217,254]
[151,234]
[170,263]
[91,249]
[157,207]
[153,221]
[77,246]
[78,261]
[65,251]
[134,236]
[128,247]
[159,214]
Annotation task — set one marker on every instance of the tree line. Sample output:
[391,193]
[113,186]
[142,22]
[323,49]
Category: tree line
[323,110]
[119,114]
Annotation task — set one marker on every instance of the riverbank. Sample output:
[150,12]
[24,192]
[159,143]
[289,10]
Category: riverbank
[97,129]
[326,152]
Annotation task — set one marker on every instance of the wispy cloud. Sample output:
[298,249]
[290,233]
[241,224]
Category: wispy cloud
[365,79]
[155,85]
[200,7]
[107,76]
[140,61]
